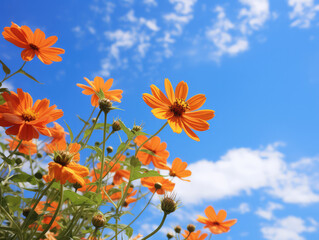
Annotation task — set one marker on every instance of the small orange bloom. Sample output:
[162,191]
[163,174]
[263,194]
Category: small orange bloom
[72,149]
[178,169]
[26,120]
[119,176]
[154,145]
[179,113]
[64,168]
[96,86]
[57,133]
[26,147]
[47,217]
[195,235]
[33,43]
[166,185]
[215,223]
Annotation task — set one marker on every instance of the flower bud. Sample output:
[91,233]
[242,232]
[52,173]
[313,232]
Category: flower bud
[169,235]
[62,157]
[77,186]
[96,144]
[158,185]
[39,155]
[178,229]
[136,128]
[116,126]
[168,204]
[26,211]
[191,228]
[38,175]
[105,105]
[109,149]
[98,221]
[93,120]
[18,161]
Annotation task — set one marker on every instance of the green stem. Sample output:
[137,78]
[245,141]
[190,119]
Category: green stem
[12,221]
[55,214]
[187,236]
[150,138]
[88,137]
[137,215]
[157,229]
[103,154]
[87,122]
[15,149]
[5,78]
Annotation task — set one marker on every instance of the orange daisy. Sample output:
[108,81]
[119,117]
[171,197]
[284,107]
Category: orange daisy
[47,217]
[158,184]
[57,133]
[64,168]
[96,86]
[180,114]
[154,145]
[26,120]
[119,176]
[215,223]
[195,235]
[26,147]
[178,169]
[33,43]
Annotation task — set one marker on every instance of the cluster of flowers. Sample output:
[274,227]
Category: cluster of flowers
[112,176]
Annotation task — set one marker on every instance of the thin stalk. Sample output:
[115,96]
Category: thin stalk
[87,122]
[150,138]
[15,149]
[187,236]
[7,77]
[11,220]
[88,137]
[157,229]
[103,154]
[55,214]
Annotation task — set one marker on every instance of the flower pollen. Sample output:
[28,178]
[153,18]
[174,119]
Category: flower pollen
[179,107]
[29,115]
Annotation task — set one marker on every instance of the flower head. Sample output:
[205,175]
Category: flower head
[33,43]
[98,85]
[157,147]
[194,235]
[180,114]
[158,184]
[215,223]
[26,147]
[57,133]
[178,169]
[25,119]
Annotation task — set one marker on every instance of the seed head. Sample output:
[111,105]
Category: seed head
[168,203]
[105,105]
[191,228]
[178,229]
[62,157]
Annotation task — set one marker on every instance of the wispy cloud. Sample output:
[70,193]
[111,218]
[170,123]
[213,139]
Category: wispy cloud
[267,212]
[242,208]
[302,13]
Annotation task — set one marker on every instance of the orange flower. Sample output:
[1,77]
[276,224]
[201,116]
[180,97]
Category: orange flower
[178,169]
[215,223]
[50,208]
[57,133]
[119,176]
[26,120]
[154,145]
[58,148]
[64,169]
[179,113]
[96,86]
[26,147]
[33,43]
[194,235]
[151,182]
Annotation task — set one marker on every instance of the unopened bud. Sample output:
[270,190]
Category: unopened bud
[97,144]
[168,204]
[93,120]
[105,105]
[136,128]
[178,229]
[191,228]
[26,211]
[77,186]
[109,149]
[39,155]
[38,175]
[98,220]
[158,185]
[169,235]
[116,126]
[18,161]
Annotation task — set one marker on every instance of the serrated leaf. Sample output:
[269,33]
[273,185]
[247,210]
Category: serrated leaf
[76,199]
[70,131]
[5,68]
[24,177]
[127,131]
[28,75]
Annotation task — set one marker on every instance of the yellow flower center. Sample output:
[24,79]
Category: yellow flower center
[172,173]
[179,107]
[34,47]
[28,115]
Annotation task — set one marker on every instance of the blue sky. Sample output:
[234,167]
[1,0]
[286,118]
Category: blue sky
[257,63]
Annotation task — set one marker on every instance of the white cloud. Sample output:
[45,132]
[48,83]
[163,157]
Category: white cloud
[242,208]
[303,12]
[289,228]
[267,212]
[150,3]
[183,6]
[243,170]
[8,85]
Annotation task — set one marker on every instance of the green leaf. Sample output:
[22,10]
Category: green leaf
[28,75]
[127,131]
[13,202]
[143,172]
[148,152]
[97,198]
[85,122]
[24,177]
[77,199]
[100,94]
[2,101]
[129,231]
[96,149]
[70,131]
[121,147]
[5,68]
